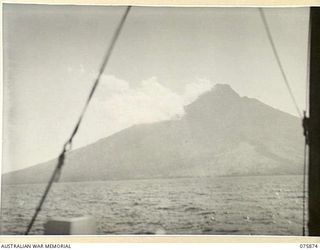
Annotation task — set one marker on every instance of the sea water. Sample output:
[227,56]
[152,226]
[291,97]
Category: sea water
[243,205]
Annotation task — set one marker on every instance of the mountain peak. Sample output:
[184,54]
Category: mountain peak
[220,96]
[224,90]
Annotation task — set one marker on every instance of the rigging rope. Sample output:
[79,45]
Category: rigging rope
[304,117]
[67,146]
[275,52]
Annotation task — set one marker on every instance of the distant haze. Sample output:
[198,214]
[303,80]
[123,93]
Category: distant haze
[164,60]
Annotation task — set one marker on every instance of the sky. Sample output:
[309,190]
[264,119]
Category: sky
[164,59]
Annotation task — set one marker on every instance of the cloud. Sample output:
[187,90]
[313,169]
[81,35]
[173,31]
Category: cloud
[118,105]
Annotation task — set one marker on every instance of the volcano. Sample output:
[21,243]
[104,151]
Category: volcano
[220,134]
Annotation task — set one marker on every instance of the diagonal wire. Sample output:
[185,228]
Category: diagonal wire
[102,68]
[304,118]
[275,52]
[68,144]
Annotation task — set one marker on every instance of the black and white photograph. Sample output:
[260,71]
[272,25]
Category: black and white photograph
[160,120]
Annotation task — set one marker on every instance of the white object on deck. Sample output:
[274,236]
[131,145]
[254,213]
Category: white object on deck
[85,225]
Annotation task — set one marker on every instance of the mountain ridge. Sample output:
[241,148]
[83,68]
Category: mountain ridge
[220,133]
